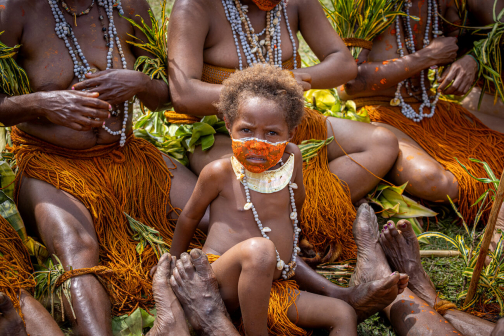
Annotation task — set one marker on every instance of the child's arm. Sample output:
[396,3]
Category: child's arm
[207,189]
[299,193]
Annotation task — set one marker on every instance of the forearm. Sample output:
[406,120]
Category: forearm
[18,109]
[336,69]
[184,231]
[154,93]
[195,97]
[375,76]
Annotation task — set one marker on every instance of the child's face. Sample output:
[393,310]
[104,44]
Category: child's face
[262,119]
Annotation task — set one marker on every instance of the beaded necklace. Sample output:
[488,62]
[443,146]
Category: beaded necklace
[268,50]
[288,270]
[65,32]
[406,109]
[69,11]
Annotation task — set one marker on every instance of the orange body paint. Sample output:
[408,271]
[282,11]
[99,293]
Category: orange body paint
[376,69]
[385,62]
[383,81]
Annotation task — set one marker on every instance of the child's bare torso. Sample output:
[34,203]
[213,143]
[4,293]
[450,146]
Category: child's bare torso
[230,224]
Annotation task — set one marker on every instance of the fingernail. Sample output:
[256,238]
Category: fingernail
[393,274]
[110,107]
[109,115]
[89,73]
[104,123]
[73,88]
[390,225]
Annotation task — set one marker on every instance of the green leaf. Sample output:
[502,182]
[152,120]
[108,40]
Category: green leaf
[207,142]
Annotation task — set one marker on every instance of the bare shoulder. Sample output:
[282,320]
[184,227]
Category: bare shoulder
[13,16]
[294,149]
[194,9]
[132,8]
[217,172]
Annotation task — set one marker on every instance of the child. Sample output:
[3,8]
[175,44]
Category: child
[253,198]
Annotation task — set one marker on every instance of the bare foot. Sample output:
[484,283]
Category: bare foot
[10,322]
[403,253]
[196,287]
[170,318]
[375,286]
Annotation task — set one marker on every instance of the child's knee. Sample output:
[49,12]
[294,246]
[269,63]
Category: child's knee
[345,314]
[258,254]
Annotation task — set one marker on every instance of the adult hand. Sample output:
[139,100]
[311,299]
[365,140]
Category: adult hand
[462,73]
[442,50]
[115,86]
[80,111]
[303,79]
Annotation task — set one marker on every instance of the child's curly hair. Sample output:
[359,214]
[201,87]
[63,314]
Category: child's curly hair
[267,81]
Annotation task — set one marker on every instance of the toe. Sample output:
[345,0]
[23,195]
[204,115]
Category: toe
[406,230]
[386,234]
[392,229]
[163,266]
[179,268]
[201,264]
[187,264]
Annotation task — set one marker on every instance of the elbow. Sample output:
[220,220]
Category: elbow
[351,71]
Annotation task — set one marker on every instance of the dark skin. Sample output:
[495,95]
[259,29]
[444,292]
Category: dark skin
[247,264]
[37,320]
[379,75]
[211,41]
[57,114]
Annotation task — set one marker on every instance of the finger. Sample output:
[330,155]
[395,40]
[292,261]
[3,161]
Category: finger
[98,104]
[87,94]
[87,124]
[102,115]
[87,84]
[306,86]
[305,77]
[97,74]
[455,88]
[447,80]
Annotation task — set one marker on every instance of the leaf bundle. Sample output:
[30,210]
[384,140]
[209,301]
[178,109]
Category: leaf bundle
[14,79]
[156,44]
[362,19]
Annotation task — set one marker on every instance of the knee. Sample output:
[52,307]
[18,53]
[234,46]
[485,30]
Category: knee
[77,246]
[436,183]
[386,142]
[259,254]
[345,315]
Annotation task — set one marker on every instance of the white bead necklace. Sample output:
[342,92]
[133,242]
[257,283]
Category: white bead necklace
[288,270]
[253,49]
[65,32]
[406,109]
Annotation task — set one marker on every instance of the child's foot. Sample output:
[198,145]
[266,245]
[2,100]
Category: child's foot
[375,286]
[10,322]
[170,319]
[197,289]
[403,252]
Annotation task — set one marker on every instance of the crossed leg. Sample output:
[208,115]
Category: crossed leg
[403,253]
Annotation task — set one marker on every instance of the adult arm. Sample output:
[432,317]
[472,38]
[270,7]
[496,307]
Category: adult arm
[207,189]
[337,66]
[116,86]
[70,109]
[383,75]
[186,42]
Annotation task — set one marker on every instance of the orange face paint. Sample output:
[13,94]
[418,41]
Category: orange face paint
[265,153]
[385,62]
[383,81]
[266,5]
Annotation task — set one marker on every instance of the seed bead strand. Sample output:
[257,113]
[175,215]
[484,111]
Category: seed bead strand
[287,269]
[81,68]
[84,12]
[406,109]
[294,48]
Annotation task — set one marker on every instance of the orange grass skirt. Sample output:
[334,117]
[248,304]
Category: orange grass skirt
[283,295]
[453,132]
[15,265]
[110,180]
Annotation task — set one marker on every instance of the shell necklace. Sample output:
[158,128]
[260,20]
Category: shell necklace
[406,109]
[288,270]
[268,50]
[65,32]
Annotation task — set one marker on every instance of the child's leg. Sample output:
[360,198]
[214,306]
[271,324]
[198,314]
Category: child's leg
[245,275]
[316,311]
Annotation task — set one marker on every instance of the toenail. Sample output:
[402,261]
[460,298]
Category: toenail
[403,225]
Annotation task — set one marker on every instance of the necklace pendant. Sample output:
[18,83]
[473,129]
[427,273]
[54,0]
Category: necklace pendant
[395,102]
[247,206]
[280,265]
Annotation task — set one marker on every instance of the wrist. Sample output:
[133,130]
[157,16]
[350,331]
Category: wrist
[145,83]
[427,57]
